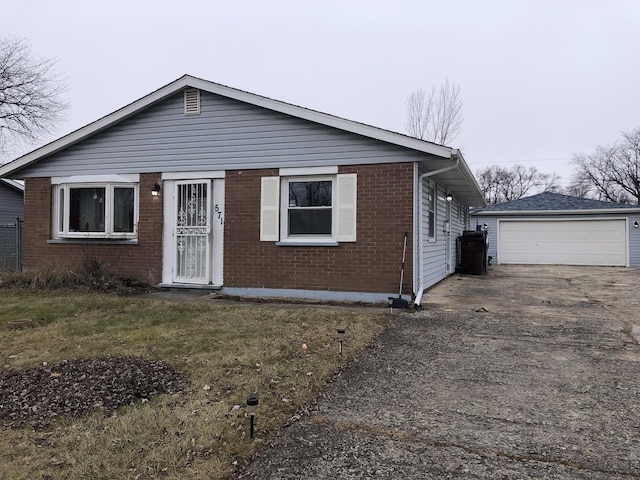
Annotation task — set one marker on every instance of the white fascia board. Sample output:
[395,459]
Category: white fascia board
[470,178]
[13,183]
[528,213]
[240,95]
[193,175]
[109,178]
[291,171]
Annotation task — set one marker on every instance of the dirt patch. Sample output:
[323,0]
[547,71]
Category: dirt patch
[36,395]
[528,372]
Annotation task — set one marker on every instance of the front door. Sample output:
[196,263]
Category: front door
[193,232]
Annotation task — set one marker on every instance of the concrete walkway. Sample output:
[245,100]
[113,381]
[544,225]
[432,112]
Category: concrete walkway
[527,372]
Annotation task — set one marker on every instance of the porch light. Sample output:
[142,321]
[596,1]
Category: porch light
[252,404]
[485,226]
[635,224]
[341,332]
[449,197]
[155,190]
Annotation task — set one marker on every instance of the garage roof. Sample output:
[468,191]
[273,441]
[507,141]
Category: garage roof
[556,203]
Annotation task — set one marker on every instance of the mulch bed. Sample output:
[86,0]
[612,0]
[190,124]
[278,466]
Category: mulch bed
[35,396]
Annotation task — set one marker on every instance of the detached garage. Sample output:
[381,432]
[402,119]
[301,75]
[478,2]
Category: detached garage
[555,229]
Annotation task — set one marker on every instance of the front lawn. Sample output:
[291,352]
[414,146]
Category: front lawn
[226,351]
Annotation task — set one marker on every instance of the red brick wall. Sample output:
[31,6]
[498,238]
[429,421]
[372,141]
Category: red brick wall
[372,264]
[142,261]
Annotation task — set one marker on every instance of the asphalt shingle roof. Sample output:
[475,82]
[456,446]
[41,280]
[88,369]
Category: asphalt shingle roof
[553,201]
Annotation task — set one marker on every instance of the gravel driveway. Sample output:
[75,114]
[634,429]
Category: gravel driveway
[527,372]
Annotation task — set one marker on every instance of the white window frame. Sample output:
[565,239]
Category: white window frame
[58,210]
[274,204]
[432,207]
[285,236]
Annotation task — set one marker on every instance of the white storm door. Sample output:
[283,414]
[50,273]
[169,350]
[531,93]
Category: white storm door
[193,232]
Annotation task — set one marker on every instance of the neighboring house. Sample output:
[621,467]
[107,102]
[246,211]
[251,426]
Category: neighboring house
[202,185]
[550,228]
[11,214]
[11,201]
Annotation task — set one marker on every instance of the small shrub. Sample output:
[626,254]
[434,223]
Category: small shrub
[93,275]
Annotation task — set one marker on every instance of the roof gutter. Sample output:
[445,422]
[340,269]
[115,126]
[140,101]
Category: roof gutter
[455,155]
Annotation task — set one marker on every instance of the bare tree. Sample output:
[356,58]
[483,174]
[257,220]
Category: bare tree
[501,184]
[579,186]
[30,91]
[613,171]
[435,115]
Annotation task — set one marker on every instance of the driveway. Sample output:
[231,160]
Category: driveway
[526,372]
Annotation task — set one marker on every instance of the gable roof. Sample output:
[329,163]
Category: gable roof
[460,176]
[550,202]
[187,81]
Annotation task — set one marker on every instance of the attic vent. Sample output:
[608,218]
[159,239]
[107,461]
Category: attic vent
[192,101]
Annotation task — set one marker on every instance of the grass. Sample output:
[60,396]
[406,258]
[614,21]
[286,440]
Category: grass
[228,351]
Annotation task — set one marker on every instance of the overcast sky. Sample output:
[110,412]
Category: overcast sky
[540,80]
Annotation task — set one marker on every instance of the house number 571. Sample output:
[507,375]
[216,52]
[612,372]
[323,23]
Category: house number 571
[218,213]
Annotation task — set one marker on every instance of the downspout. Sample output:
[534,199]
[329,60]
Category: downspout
[454,156]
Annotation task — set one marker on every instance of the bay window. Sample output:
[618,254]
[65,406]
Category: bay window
[92,210]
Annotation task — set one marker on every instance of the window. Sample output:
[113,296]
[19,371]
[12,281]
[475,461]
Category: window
[463,211]
[309,209]
[431,209]
[96,211]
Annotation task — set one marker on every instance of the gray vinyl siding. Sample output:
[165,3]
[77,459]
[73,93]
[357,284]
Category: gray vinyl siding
[227,135]
[492,234]
[634,242]
[459,219]
[433,255]
[11,204]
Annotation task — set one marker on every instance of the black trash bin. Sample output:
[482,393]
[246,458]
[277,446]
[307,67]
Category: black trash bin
[473,252]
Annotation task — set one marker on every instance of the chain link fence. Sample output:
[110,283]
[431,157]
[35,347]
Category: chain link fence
[11,246]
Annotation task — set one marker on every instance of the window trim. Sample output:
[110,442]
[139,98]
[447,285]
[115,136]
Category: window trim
[61,212]
[285,237]
[344,204]
[432,202]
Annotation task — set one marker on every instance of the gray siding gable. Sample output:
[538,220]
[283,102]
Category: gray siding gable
[227,135]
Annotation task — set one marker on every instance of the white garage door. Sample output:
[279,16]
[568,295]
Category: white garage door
[563,242]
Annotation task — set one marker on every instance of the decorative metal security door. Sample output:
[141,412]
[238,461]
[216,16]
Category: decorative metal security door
[193,232]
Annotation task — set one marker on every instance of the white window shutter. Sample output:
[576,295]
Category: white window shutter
[270,209]
[347,200]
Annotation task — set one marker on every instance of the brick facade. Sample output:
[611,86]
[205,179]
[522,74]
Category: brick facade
[142,261]
[372,264]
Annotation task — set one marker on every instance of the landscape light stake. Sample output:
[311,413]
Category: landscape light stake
[252,403]
[341,338]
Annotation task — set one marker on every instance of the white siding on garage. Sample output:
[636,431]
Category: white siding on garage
[563,242]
